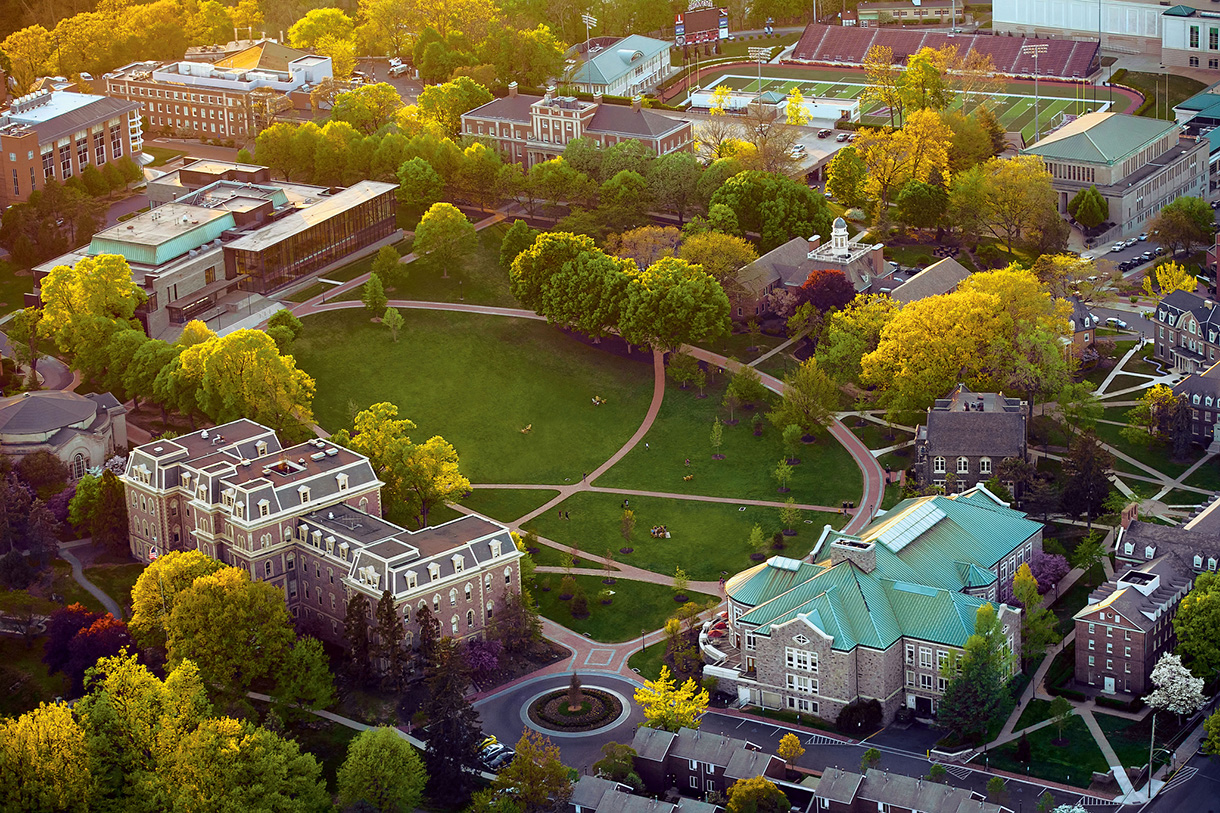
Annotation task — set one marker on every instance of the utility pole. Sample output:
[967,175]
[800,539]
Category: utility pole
[759,55]
[1036,51]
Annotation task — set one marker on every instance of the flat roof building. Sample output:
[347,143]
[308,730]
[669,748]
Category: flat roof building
[56,134]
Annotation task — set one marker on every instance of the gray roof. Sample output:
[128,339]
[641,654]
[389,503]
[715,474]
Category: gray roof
[1171,308]
[1170,576]
[1206,519]
[606,796]
[1082,318]
[998,430]
[1204,383]
[1101,138]
[33,413]
[652,744]
[838,786]
[507,108]
[102,109]
[588,792]
[938,278]
[1164,539]
[617,118]
[899,791]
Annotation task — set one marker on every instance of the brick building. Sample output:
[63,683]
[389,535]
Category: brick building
[1187,331]
[218,99]
[968,434]
[592,794]
[56,134]
[1202,392]
[698,763]
[1128,623]
[307,520]
[872,616]
[528,130]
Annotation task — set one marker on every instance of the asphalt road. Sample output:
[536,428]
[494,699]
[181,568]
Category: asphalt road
[1197,792]
[125,207]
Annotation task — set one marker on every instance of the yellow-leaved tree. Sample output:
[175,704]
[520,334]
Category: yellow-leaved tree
[1169,277]
[798,115]
[671,707]
[918,152]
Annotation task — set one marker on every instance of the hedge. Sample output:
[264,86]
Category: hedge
[502,91]
[1070,694]
[1122,705]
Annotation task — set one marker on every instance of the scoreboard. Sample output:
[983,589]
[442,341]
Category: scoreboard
[701,23]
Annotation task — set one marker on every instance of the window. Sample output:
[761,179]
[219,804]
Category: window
[458,563]
[264,508]
[1109,665]
[942,658]
[802,684]
[1091,660]
[801,659]
[453,598]
[1194,43]
[1126,652]
[910,654]
[508,575]
[963,465]
[940,684]
[453,624]
[925,682]
[1198,562]
[267,569]
[910,678]
[1213,39]
[1091,645]
[1109,648]
[80,464]
[436,603]
[1194,60]
[65,161]
[469,619]
[938,465]
[984,465]
[925,657]
[468,591]
[434,571]
[1127,635]
[694,782]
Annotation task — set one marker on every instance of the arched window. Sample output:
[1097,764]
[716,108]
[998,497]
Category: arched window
[436,603]
[469,619]
[469,591]
[409,639]
[938,465]
[453,624]
[453,598]
[364,504]
[490,609]
[963,465]
[406,614]
[508,575]
[984,465]
[487,581]
[80,465]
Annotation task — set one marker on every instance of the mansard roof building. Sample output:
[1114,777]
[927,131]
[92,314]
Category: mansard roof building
[306,519]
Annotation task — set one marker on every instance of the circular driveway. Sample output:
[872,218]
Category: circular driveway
[502,714]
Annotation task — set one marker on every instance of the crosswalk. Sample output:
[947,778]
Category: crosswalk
[1097,801]
[1180,778]
[819,739]
[953,769]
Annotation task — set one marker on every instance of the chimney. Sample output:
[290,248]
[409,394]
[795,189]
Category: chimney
[550,94]
[814,242]
[597,98]
[861,554]
[637,102]
[512,89]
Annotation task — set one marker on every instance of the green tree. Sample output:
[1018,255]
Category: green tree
[851,334]
[536,776]
[922,205]
[673,303]
[287,319]
[976,695]
[304,681]
[218,759]
[756,795]
[445,103]
[1197,626]
[782,475]
[682,368]
[445,236]
[1087,483]
[757,543]
[681,582]
[392,318]
[373,295]
[387,264]
[717,435]
[157,589]
[356,636]
[26,341]
[84,304]
[517,239]
[845,178]
[1061,709]
[44,761]
[108,524]
[670,707]
[1089,208]
[721,255]
[1080,407]
[789,515]
[747,385]
[319,23]
[390,636]
[997,788]
[1211,742]
[618,764]
[235,629]
[773,206]
[453,727]
[383,771]
[367,108]
[871,758]
[624,201]
[419,187]
[673,183]
[1183,224]
[1037,622]
[809,398]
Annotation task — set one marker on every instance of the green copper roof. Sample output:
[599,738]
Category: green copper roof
[1178,11]
[611,62]
[1100,138]
[772,578]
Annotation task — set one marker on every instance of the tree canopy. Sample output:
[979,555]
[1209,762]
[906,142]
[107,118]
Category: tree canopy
[774,207]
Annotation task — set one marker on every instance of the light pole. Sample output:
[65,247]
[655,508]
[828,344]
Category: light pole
[642,640]
[590,22]
[1035,50]
[759,55]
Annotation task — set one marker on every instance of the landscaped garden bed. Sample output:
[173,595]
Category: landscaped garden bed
[596,709]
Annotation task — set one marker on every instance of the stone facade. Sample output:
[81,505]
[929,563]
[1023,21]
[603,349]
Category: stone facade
[306,519]
[968,435]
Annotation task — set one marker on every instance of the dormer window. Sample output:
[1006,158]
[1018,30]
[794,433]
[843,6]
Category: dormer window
[202,493]
[1149,551]
[239,510]
[1129,548]
[434,571]
[459,563]
[342,480]
[304,492]
[330,545]
[260,447]
[1211,563]
[316,537]
[186,481]
[1198,562]
[412,580]
[495,547]
[264,508]
[1196,399]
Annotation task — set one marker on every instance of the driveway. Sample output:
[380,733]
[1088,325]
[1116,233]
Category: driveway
[123,207]
[55,374]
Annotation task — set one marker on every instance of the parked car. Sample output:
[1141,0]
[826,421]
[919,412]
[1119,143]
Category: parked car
[841,137]
[1117,247]
[400,70]
[1117,323]
[853,137]
[501,759]
[395,62]
[1088,255]
[1142,237]
[1160,250]
[798,150]
[825,133]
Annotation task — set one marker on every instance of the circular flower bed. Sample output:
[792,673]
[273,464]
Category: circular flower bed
[598,709]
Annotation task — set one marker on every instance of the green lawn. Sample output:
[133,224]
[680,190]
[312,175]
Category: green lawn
[778,365]
[16,601]
[345,273]
[635,607]
[24,677]
[1152,85]
[893,496]
[1075,598]
[742,346]
[916,256]
[506,504]
[875,436]
[1179,496]
[1034,713]
[1073,763]
[72,592]
[1122,382]
[650,660]
[13,287]
[826,476]
[116,581]
[706,539]
[481,282]
[162,155]
[1155,455]
[478,381]
[1047,430]
[1206,476]
[1130,738]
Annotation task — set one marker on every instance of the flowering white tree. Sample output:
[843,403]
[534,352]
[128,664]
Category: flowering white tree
[1177,690]
[1069,809]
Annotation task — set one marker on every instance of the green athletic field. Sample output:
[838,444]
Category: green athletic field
[1014,107]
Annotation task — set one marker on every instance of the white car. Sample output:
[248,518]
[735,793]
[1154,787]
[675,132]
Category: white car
[1115,322]
[1088,255]
[1142,237]
[1117,247]
[399,70]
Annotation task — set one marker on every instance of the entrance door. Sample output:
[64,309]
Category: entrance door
[923,706]
[1109,689]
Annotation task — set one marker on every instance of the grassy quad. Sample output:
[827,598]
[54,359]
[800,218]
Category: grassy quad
[506,504]
[645,605]
[826,476]
[478,381]
[706,539]
[1073,763]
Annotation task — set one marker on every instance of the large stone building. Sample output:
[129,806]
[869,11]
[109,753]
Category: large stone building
[1127,624]
[967,435]
[788,266]
[307,519]
[531,129]
[872,616]
[1187,331]
[219,99]
[56,134]
[81,430]
[1138,164]
[205,253]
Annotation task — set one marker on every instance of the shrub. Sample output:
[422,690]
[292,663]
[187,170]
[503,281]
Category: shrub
[15,571]
[1070,694]
[859,715]
[580,605]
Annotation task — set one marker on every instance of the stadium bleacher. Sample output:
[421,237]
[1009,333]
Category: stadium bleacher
[847,45]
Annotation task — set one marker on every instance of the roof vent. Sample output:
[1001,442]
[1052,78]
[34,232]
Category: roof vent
[332,451]
[317,455]
[330,514]
[301,460]
[158,449]
[245,462]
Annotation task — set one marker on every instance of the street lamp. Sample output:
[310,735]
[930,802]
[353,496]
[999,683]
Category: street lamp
[759,55]
[1035,50]
[590,22]
[642,640]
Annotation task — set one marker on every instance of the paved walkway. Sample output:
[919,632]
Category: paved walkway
[78,575]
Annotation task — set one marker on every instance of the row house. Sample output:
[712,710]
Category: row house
[699,763]
[306,519]
[593,794]
[1202,393]
[529,130]
[967,435]
[1187,331]
[839,791]
[54,134]
[873,616]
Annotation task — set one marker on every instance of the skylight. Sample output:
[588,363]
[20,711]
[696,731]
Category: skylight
[907,527]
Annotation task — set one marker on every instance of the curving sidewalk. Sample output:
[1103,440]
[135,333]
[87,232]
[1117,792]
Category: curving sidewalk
[78,575]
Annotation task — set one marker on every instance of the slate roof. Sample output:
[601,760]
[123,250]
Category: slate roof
[1101,138]
[1187,540]
[927,551]
[505,108]
[605,796]
[938,278]
[35,413]
[1082,318]
[1170,309]
[1173,574]
[900,791]
[617,118]
[997,431]
[1206,519]
[612,61]
[1201,384]
[652,744]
